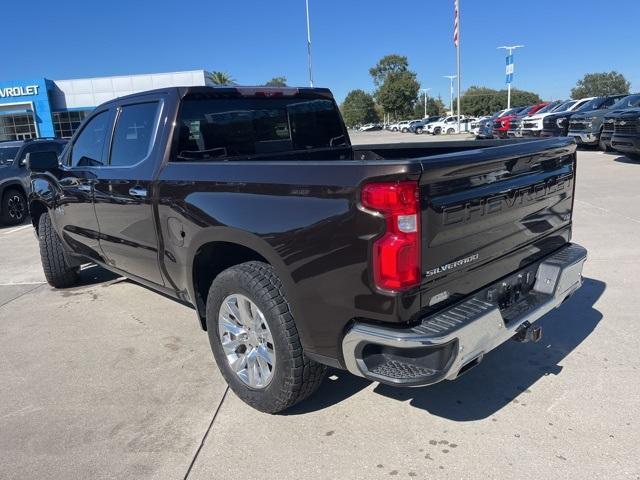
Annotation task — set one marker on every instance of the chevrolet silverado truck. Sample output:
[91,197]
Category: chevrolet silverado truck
[608,123]
[402,263]
[14,176]
[533,125]
[586,126]
[558,124]
[626,133]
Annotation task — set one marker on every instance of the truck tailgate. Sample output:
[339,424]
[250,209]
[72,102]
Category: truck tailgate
[489,212]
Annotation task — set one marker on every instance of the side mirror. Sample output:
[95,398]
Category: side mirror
[42,161]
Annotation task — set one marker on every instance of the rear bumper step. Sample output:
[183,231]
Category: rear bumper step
[450,342]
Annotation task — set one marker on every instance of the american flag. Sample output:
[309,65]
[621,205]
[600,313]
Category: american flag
[456,30]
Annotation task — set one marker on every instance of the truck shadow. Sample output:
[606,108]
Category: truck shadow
[91,274]
[623,159]
[505,375]
[7,228]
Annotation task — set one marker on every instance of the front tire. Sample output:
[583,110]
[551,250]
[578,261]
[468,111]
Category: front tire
[58,270]
[14,207]
[255,341]
[419,130]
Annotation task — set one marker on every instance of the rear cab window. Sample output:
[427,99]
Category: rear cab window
[229,126]
[134,133]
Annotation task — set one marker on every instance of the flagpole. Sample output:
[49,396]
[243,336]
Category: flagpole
[458,59]
[309,44]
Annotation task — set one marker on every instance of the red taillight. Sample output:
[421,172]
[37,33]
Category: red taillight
[396,255]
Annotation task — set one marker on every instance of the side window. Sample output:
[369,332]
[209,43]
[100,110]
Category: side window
[88,148]
[133,134]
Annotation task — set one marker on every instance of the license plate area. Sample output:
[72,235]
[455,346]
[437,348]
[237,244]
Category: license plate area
[514,296]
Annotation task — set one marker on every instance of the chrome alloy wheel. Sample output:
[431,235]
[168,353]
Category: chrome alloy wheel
[16,207]
[246,341]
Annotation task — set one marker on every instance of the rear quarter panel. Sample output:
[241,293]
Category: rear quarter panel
[302,217]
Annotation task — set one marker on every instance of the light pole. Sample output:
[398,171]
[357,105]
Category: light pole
[425,90]
[451,79]
[309,45]
[509,68]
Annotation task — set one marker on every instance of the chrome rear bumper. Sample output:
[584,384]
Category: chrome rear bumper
[445,344]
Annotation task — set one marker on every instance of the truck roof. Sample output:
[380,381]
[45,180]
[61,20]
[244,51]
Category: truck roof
[236,90]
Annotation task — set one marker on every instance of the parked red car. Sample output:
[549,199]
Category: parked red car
[504,123]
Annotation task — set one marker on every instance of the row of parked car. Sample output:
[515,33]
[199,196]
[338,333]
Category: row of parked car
[610,122]
[434,125]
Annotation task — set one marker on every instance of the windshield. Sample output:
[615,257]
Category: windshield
[627,102]
[563,107]
[510,111]
[591,105]
[7,154]
[548,108]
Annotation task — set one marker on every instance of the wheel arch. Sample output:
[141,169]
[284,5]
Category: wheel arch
[12,184]
[217,249]
[36,209]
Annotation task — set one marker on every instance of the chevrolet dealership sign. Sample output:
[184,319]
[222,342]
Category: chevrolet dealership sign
[22,91]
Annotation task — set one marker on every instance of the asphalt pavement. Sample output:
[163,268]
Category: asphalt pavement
[110,380]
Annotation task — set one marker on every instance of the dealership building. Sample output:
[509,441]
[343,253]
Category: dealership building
[40,107]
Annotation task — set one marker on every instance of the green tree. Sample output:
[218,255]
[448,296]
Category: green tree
[387,65]
[600,84]
[479,101]
[435,107]
[222,78]
[277,82]
[398,86]
[359,108]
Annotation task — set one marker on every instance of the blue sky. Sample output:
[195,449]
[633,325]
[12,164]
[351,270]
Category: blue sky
[255,40]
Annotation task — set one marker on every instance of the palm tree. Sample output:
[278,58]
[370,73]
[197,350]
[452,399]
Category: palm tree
[222,78]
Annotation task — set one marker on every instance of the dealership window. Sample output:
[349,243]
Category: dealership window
[17,126]
[66,123]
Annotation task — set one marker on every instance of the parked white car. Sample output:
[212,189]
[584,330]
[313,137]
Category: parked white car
[465,126]
[446,125]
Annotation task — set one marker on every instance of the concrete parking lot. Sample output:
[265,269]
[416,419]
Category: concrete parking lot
[110,380]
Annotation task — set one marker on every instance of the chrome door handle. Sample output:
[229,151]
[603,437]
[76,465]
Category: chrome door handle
[138,192]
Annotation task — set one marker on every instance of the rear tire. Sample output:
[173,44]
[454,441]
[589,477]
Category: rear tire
[58,270]
[14,207]
[450,131]
[419,130]
[291,376]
